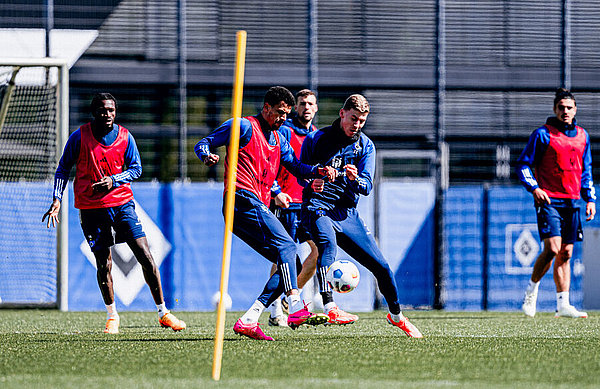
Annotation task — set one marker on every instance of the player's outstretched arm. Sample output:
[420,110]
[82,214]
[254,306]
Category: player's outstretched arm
[205,148]
[52,214]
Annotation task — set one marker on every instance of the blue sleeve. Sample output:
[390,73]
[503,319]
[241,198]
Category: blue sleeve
[285,132]
[588,193]
[133,162]
[220,137]
[291,163]
[534,150]
[67,160]
[363,184]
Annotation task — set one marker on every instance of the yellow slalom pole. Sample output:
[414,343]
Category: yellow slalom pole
[234,143]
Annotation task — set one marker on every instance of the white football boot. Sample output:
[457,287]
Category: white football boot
[278,321]
[570,311]
[529,303]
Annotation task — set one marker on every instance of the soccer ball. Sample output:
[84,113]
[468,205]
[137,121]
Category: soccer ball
[217,296]
[343,276]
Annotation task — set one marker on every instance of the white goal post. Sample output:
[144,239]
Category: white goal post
[34,127]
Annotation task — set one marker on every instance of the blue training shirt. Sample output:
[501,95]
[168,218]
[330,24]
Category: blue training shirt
[330,146]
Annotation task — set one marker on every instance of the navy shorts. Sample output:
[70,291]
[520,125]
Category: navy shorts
[98,224]
[561,218]
[256,225]
[290,218]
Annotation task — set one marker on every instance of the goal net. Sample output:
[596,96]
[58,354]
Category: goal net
[33,130]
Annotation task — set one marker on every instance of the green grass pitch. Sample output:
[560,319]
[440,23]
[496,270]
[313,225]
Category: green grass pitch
[51,349]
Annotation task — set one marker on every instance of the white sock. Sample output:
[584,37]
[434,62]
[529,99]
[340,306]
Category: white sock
[112,310]
[276,309]
[396,317]
[532,287]
[295,303]
[252,314]
[328,307]
[162,309]
[562,299]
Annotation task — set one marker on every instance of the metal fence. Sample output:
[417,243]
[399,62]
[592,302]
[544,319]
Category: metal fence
[496,63]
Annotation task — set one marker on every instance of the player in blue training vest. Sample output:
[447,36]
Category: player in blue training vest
[329,208]
[559,151]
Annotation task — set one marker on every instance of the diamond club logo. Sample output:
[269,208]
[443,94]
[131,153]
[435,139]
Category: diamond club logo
[521,248]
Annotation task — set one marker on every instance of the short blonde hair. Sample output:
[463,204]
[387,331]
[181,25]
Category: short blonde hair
[358,102]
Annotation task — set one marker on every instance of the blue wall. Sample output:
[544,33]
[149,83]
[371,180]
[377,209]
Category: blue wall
[185,229]
[27,247]
[191,224]
[512,245]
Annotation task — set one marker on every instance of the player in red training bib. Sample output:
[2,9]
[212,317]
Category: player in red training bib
[559,151]
[287,196]
[107,160]
[261,151]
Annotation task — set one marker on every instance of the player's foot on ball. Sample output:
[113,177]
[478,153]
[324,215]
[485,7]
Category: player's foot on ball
[529,303]
[570,311]
[170,321]
[406,326]
[337,316]
[304,316]
[251,330]
[112,325]
[278,321]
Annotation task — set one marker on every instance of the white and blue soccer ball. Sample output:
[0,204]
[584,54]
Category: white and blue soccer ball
[343,276]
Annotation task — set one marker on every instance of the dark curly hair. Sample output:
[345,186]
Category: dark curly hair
[99,98]
[562,93]
[277,94]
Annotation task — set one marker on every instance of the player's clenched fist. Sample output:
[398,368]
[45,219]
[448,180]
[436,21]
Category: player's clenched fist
[211,159]
[318,185]
[351,172]
[104,185]
[329,172]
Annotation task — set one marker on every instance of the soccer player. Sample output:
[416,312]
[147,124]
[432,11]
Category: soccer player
[287,193]
[329,208]
[261,152]
[559,151]
[106,161]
